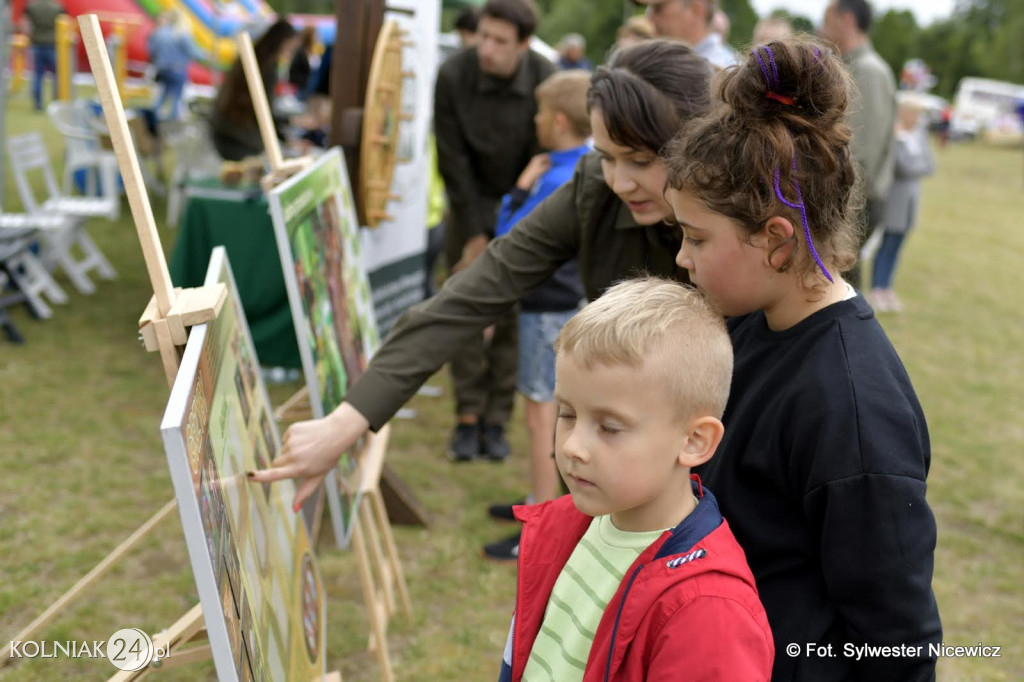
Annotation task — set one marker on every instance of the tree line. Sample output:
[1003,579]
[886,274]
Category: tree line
[981,38]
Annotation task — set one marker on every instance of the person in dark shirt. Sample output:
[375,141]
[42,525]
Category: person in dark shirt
[563,127]
[466,24]
[39,21]
[483,118]
[236,134]
[822,469]
[572,53]
[300,70]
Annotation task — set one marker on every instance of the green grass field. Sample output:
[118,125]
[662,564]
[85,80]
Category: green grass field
[83,465]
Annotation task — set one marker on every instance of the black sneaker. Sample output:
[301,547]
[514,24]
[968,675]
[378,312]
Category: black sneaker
[503,550]
[465,443]
[493,445]
[503,512]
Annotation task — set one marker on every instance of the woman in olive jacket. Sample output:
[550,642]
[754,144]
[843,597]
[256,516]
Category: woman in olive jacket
[613,217]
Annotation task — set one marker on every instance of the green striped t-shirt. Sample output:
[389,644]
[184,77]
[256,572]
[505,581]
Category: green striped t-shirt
[584,587]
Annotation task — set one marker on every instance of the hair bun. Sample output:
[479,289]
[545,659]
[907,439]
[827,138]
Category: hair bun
[799,81]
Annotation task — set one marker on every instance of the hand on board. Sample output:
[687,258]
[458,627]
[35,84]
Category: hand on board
[311,448]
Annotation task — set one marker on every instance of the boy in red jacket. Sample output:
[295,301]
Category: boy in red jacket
[636,576]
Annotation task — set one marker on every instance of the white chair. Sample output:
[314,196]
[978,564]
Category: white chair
[28,155]
[194,157]
[22,267]
[81,144]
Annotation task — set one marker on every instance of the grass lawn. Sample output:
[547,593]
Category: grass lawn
[83,465]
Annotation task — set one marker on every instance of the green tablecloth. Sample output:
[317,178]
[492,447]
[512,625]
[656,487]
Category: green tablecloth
[239,219]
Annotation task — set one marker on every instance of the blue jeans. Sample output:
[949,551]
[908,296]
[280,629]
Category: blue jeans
[44,58]
[535,371]
[886,259]
[172,85]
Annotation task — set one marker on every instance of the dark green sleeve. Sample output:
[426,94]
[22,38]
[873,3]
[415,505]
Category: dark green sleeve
[472,214]
[431,333]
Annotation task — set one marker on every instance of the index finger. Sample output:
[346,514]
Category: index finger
[274,474]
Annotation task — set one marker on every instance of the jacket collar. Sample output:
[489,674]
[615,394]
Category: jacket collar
[700,523]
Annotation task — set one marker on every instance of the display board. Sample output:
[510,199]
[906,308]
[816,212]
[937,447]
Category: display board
[259,584]
[318,239]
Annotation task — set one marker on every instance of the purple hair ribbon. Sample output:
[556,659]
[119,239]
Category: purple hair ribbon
[764,67]
[773,83]
[803,216]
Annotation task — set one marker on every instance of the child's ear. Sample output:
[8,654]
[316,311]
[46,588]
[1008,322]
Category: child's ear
[705,433]
[561,122]
[777,234]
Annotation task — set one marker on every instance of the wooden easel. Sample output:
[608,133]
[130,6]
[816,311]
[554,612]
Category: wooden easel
[163,326]
[380,571]
[163,323]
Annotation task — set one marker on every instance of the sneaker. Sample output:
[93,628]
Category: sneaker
[465,443]
[895,305]
[492,442]
[503,550]
[879,300]
[503,512]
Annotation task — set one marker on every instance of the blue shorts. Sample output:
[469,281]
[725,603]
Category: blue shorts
[535,372]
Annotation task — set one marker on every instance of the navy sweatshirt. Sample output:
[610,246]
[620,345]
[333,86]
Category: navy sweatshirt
[821,475]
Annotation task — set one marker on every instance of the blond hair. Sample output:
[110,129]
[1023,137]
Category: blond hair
[662,321]
[566,92]
[639,27]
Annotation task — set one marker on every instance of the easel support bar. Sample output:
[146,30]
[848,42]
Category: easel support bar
[91,577]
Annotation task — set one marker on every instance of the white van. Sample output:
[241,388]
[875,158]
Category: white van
[988,108]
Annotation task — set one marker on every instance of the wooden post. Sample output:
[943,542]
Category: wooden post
[359,23]
[65,44]
[120,55]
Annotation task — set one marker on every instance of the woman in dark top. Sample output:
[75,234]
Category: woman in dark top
[236,134]
[299,70]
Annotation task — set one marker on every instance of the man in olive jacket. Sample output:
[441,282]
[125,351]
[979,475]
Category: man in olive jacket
[483,117]
[872,114]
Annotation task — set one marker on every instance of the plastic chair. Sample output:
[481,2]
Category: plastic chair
[81,144]
[194,157]
[28,155]
[18,263]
